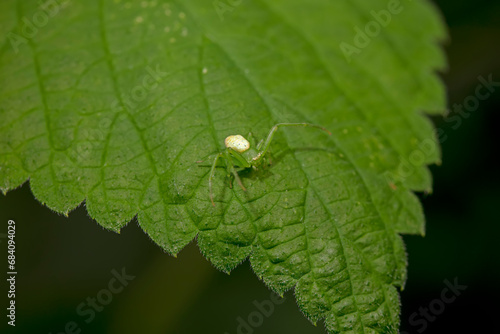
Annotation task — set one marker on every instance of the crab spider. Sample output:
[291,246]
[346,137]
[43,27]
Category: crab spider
[240,154]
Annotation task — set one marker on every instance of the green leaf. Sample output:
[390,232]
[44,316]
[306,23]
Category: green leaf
[113,102]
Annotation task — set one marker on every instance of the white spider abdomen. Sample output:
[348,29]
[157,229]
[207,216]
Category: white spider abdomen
[237,143]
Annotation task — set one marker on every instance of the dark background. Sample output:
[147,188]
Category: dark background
[61,261]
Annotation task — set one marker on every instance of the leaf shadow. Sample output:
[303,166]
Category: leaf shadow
[265,171]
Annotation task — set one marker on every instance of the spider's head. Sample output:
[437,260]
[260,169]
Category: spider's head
[237,143]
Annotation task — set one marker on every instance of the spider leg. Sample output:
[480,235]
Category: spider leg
[259,145]
[264,147]
[251,139]
[210,178]
[234,172]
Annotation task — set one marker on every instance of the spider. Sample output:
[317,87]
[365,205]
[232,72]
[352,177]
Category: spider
[240,154]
